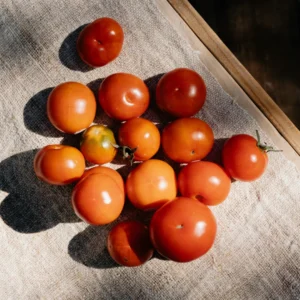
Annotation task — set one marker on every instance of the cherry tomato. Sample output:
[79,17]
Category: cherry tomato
[183,229]
[129,244]
[124,96]
[98,199]
[187,139]
[181,92]
[151,184]
[244,157]
[59,164]
[71,107]
[100,42]
[140,137]
[98,144]
[205,181]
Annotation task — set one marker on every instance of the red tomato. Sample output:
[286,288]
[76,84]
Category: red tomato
[100,42]
[187,139]
[151,184]
[98,199]
[140,137]
[244,157]
[183,229]
[129,244]
[181,92]
[98,144]
[71,107]
[124,96]
[205,181]
[59,164]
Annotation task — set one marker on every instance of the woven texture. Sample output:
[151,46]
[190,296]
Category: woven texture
[46,252]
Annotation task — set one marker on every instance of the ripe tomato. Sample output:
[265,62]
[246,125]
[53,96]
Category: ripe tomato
[187,139]
[129,243]
[98,199]
[244,157]
[71,107]
[205,181]
[124,96]
[100,42]
[59,164]
[140,138]
[98,144]
[183,229]
[151,184]
[181,92]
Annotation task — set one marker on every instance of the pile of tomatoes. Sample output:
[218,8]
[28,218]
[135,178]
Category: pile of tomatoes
[182,227]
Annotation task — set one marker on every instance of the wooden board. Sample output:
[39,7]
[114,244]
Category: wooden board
[232,76]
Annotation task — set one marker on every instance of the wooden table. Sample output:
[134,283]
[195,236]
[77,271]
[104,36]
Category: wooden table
[233,77]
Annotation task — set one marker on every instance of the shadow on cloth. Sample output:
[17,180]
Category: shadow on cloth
[32,205]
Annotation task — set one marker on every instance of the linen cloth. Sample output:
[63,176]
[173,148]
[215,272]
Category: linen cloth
[46,252]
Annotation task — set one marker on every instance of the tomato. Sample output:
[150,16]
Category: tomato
[98,144]
[100,42]
[187,139]
[151,184]
[129,243]
[205,181]
[59,164]
[71,107]
[123,96]
[140,137]
[183,230]
[244,157]
[98,199]
[181,92]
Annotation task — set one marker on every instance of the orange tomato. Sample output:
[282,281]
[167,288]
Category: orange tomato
[71,107]
[151,184]
[98,199]
[59,164]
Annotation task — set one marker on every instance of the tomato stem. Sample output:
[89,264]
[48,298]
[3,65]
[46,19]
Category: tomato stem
[128,153]
[264,147]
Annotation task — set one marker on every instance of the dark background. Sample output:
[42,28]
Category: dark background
[265,36]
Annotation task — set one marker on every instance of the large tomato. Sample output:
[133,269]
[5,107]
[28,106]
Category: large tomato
[98,199]
[140,138]
[59,164]
[187,139]
[151,184]
[181,92]
[124,96]
[205,181]
[100,42]
[183,229]
[129,243]
[71,107]
[98,144]
[244,157]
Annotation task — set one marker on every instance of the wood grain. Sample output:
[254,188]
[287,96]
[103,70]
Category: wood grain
[251,87]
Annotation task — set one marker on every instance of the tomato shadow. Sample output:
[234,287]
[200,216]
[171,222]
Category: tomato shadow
[32,205]
[68,53]
[215,155]
[89,246]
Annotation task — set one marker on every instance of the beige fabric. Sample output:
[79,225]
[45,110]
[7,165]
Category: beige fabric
[45,252]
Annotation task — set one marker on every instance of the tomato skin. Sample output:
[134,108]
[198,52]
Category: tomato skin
[151,184]
[129,244]
[100,42]
[242,159]
[183,230]
[205,181]
[97,144]
[123,96]
[181,92]
[98,199]
[141,134]
[71,107]
[59,164]
[187,139]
